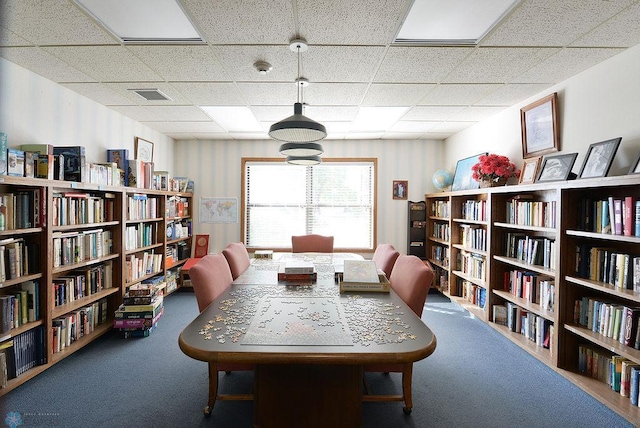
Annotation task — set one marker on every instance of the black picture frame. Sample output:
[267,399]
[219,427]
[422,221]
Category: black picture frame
[635,166]
[556,168]
[463,176]
[599,158]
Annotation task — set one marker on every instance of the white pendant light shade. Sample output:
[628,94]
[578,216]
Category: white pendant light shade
[301,149]
[303,160]
[297,128]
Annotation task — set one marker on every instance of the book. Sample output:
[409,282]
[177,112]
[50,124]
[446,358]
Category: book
[44,167]
[263,254]
[43,149]
[637,218]
[299,266]
[74,167]
[201,247]
[500,314]
[3,153]
[617,216]
[15,162]
[629,216]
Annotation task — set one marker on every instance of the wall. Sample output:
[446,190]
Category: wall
[35,110]
[595,105]
[216,166]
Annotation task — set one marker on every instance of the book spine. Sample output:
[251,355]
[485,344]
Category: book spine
[637,218]
[629,216]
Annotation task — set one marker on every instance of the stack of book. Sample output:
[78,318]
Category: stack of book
[142,307]
[297,270]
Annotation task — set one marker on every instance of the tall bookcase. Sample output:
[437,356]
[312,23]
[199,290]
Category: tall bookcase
[416,234]
[544,257]
[65,252]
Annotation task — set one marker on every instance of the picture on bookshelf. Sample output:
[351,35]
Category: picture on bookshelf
[539,123]
[635,166]
[400,189]
[143,150]
[556,168]
[463,177]
[599,158]
[530,170]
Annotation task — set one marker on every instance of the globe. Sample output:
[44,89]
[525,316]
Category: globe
[442,179]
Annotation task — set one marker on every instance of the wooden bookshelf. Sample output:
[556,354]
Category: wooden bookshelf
[557,223]
[109,219]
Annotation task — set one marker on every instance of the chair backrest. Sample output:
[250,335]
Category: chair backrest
[210,277]
[385,257]
[238,258]
[411,279]
[312,244]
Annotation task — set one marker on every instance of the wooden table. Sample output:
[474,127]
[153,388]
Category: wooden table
[308,342]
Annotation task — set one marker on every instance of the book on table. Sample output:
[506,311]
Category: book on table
[363,275]
[297,270]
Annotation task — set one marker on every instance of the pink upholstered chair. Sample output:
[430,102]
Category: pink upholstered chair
[238,258]
[411,279]
[312,244]
[385,257]
[210,277]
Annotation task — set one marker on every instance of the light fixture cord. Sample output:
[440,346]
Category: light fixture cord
[299,71]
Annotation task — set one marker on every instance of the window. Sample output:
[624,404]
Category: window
[336,197]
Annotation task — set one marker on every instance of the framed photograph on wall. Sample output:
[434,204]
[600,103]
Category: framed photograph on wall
[635,167]
[463,177]
[400,189]
[599,158]
[556,168]
[143,150]
[530,170]
[539,126]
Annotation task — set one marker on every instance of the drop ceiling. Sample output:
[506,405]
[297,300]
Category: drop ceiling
[352,62]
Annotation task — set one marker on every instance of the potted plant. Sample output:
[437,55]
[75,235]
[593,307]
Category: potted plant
[494,170]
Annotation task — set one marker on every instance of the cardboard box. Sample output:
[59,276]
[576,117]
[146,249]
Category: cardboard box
[75,165]
[384,286]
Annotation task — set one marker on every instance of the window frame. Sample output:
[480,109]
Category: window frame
[243,202]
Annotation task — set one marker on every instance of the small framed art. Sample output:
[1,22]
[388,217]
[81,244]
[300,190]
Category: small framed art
[539,126]
[530,170]
[463,177]
[400,188]
[556,168]
[635,167]
[599,158]
[143,150]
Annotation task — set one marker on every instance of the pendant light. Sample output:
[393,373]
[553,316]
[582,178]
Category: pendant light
[298,131]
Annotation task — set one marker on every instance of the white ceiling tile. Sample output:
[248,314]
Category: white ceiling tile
[552,22]
[364,135]
[475,114]
[99,93]
[182,63]
[211,94]
[185,127]
[497,65]
[566,63]
[431,113]
[412,126]
[395,94]
[52,23]
[402,135]
[419,64]
[163,113]
[331,21]
[105,63]
[44,64]
[139,113]
[9,38]
[623,30]
[437,135]
[508,95]
[330,113]
[238,61]
[250,136]
[340,94]
[457,94]
[451,127]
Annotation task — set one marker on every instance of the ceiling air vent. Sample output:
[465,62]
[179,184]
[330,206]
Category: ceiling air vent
[151,94]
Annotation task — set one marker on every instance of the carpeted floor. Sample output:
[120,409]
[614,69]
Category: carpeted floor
[475,378]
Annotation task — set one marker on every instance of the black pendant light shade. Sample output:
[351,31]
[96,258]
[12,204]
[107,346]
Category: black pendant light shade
[303,160]
[301,149]
[297,128]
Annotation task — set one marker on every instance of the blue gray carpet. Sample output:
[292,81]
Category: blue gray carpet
[475,378]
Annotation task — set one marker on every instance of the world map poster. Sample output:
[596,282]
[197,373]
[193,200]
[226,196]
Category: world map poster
[218,210]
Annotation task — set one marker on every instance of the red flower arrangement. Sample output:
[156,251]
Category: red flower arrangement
[493,168]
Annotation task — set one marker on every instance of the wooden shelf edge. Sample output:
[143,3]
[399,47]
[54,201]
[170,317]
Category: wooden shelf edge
[604,288]
[76,304]
[605,342]
[542,354]
[527,305]
[534,268]
[83,341]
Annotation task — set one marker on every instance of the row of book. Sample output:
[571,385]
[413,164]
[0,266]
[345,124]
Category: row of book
[18,258]
[21,353]
[532,250]
[141,308]
[620,373]
[22,209]
[142,207]
[474,237]
[19,305]
[441,209]
[531,286]
[607,265]
[531,213]
[534,327]
[474,210]
[140,235]
[177,206]
[179,229]
[613,215]
[176,252]
[70,327]
[81,283]
[609,319]
[75,247]
[441,254]
[441,278]
[137,267]
[472,264]
[472,293]
[441,231]
[73,208]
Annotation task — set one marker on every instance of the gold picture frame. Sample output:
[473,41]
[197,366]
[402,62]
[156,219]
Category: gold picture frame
[400,189]
[143,150]
[539,126]
[530,170]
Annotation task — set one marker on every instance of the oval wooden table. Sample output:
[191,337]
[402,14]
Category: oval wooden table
[308,341]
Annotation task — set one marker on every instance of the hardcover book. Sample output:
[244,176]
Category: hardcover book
[3,153]
[15,162]
[75,165]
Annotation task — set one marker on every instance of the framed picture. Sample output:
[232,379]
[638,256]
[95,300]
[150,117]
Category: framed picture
[144,150]
[530,170]
[599,158]
[463,177]
[400,188]
[556,168]
[539,123]
[635,167]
